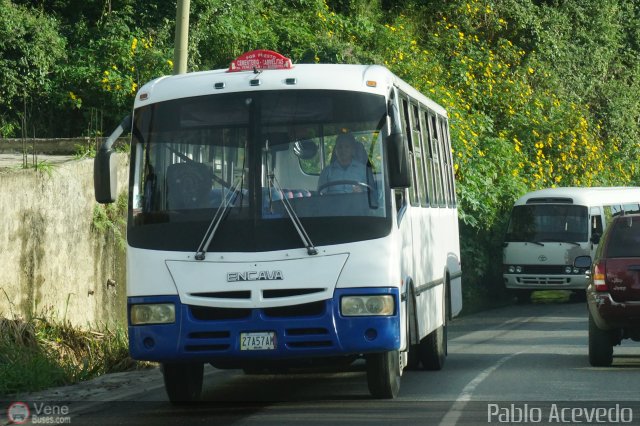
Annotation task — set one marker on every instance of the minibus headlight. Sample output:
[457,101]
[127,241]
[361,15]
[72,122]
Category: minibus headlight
[518,269]
[511,269]
[367,305]
[567,269]
[162,313]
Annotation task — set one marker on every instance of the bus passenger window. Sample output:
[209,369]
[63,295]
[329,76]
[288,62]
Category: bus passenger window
[596,228]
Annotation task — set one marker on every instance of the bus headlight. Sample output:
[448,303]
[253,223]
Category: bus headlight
[164,313]
[367,305]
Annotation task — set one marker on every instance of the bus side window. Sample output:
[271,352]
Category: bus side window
[418,155]
[428,158]
[596,228]
[448,161]
[436,138]
[414,197]
[631,208]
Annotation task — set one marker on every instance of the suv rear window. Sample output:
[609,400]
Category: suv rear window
[625,238]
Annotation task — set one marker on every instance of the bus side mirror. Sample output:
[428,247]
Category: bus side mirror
[105,166]
[105,172]
[582,262]
[396,151]
[398,162]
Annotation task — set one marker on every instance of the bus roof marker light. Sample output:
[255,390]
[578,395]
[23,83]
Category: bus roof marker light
[219,85]
[260,60]
[144,96]
[372,83]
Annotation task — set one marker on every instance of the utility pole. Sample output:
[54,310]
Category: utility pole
[181,42]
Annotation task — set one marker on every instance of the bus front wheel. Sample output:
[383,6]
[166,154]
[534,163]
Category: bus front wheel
[183,381]
[383,374]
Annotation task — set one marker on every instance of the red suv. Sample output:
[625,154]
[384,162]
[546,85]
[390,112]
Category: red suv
[613,291]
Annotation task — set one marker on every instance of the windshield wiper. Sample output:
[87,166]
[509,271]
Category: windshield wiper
[550,240]
[535,242]
[217,219]
[273,183]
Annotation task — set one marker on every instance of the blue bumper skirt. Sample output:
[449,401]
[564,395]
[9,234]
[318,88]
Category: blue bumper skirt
[313,330]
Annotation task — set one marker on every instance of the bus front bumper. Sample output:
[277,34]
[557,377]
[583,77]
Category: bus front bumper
[545,282]
[314,330]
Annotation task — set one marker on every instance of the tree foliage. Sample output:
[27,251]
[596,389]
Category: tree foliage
[539,93]
[30,49]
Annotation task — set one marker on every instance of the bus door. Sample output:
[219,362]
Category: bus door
[595,228]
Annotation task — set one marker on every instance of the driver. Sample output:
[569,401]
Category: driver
[343,167]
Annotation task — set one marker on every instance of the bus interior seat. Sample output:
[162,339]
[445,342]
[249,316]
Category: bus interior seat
[188,185]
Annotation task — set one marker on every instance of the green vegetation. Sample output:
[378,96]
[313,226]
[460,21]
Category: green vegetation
[540,92]
[112,218]
[41,353]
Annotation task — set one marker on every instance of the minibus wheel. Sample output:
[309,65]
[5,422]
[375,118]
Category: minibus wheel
[183,381]
[383,374]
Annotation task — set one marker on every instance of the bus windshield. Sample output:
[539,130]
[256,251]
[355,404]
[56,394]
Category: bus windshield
[250,152]
[548,222]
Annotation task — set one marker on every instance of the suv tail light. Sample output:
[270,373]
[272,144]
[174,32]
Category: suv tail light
[599,276]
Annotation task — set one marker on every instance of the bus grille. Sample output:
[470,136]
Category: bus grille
[543,269]
[543,280]
[304,310]
[205,313]
[303,338]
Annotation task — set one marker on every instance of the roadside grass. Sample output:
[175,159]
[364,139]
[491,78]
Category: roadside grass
[551,296]
[43,353]
[478,299]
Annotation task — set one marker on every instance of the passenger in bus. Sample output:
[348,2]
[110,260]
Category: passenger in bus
[345,173]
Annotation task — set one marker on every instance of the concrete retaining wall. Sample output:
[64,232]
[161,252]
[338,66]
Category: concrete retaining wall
[53,260]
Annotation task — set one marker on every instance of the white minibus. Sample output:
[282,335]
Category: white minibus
[244,253]
[549,228]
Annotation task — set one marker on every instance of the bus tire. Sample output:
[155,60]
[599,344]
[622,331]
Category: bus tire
[383,374]
[433,347]
[433,350]
[600,346]
[183,381]
[523,297]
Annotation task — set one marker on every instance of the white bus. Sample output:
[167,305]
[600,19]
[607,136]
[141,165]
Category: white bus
[236,255]
[549,228]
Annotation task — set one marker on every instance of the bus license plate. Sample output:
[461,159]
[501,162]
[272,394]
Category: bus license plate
[265,340]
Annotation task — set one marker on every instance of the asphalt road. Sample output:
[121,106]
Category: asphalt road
[524,364]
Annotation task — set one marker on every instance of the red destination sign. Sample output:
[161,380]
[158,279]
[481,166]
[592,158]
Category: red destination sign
[260,60]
